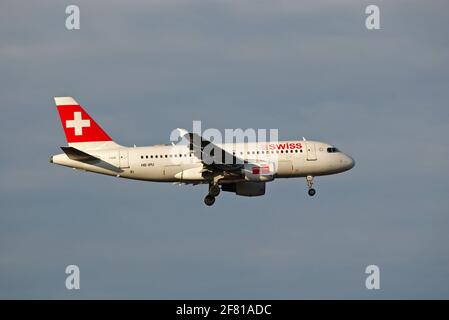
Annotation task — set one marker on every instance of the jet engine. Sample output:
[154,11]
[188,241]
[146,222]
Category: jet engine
[245,188]
[258,171]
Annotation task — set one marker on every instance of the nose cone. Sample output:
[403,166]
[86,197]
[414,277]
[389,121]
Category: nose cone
[349,162]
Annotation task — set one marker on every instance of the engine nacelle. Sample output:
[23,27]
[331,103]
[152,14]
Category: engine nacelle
[258,171]
[247,189]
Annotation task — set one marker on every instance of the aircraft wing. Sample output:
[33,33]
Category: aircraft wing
[212,156]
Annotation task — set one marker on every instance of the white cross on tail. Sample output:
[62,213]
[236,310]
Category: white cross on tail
[78,123]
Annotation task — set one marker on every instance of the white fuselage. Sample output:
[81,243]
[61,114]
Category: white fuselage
[176,163]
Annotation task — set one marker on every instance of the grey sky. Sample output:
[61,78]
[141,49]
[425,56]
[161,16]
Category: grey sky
[309,69]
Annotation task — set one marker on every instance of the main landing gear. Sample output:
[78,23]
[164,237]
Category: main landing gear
[312,191]
[214,190]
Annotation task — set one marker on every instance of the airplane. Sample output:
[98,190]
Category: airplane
[245,172]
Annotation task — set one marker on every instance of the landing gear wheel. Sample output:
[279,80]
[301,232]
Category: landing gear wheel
[309,180]
[209,200]
[214,190]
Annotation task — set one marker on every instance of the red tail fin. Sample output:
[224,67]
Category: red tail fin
[78,125]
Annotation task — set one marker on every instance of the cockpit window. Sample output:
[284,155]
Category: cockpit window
[332,150]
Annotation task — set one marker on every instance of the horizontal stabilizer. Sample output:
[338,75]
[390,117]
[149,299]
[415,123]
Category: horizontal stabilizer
[78,155]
